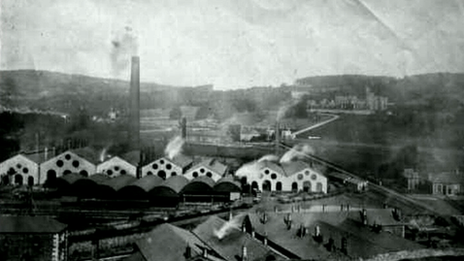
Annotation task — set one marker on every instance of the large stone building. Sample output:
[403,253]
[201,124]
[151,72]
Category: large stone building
[290,176]
[211,168]
[166,167]
[20,170]
[447,183]
[117,166]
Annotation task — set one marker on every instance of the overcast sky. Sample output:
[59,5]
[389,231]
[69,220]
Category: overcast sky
[236,43]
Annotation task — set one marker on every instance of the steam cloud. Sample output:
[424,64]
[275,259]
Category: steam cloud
[248,168]
[124,46]
[234,223]
[103,154]
[297,152]
[174,147]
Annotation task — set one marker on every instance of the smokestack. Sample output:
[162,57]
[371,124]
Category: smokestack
[184,128]
[134,118]
[244,253]
[277,138]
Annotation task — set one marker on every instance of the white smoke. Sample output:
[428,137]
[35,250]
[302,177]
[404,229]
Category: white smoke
[247,169]
[234,223]
[299,151]
[103,154]
[174,147]
[269,157]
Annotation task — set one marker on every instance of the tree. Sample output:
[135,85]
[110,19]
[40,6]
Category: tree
[175,113]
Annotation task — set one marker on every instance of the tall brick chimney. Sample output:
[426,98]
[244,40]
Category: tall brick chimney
[134,116]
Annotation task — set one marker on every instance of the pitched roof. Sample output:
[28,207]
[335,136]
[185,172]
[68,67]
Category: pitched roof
[214,165]
[293,167]
[168,242]
[71,178]
[382,217]
[21,156]
[90,154]
[448,178]
[181,160]
[203,179]
[133,157]
[39,157]
[230,246]
[28,224]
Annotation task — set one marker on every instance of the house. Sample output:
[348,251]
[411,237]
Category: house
[413,179]
[32,238]
[166,167]
[290,176]
[170,243]
[211,168]
[117,166]
[350,182]
[447,183]
[20,170]
[63,164]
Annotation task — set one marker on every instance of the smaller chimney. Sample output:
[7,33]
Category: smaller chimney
[46,153]
[184,128]
[230,215]
[265,239]
[317,231]
[364,216]
[53,151]
[205,253]
[244,253]
[253,233]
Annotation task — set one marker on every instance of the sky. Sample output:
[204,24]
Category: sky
[233,43]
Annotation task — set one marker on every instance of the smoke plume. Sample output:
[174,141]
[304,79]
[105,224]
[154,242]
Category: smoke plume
[124,46]
[103,154]
[248,169]
[269,157]
[234,223]
[174,147]
[297,152]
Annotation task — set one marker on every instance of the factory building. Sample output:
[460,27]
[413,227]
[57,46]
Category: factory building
[116,166]
[88,187]
[289,176]
[166,167]
[63,164]
[109,188]
[140,188]
[32,238]
[211,168]
[20,170]
[168,192]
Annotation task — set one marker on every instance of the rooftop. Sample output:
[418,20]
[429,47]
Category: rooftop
[28,224]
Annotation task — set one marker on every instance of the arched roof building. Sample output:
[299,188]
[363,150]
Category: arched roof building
[227,184]
[108,188]
[200,185]
[140,188]
[88,187]
[168,192]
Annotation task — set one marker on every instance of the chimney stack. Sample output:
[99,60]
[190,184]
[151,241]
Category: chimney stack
[134,117]
[244,253]
[277,138]
[184,128]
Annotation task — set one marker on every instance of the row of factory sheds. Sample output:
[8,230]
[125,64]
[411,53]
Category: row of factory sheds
[37,169]
[171,190]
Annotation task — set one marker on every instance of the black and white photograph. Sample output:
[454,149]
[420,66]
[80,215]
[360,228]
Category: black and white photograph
[231,130]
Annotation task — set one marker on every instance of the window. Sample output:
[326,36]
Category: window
[123,172]
[273,176]
[162,174]
[174,173]
[266,172]
[149,173]
[307,186]
[266,185]
[195,174]
[202,170]
[300,176]
[75,163]
[84,173]
[66,172]
[18,180]
[294,186]
[67,157]
[161,161]
[168,166]
[314,177]
[109,172]
[209,174]
[25,170]
[319,187]
[116,168]
[154,166]
[307,172]
[59,163]
[279,186]
[254,185]
[18,166]
[30,181]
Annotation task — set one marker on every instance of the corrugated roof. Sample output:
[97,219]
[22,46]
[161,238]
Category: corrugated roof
[99,177]
[169,243]
[293,167]
[71,178]
[119,182]
[213,165]
[202,184]
[28,224]
[230,246]
[181,160]
[228,181]
[148,182]
[176,183]
[448,178]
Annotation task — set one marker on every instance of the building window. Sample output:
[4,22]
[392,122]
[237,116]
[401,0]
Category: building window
[294,186]
[307,186]
[66,172]
[116,168]
[30,181]
[195,174]
[59,163]
[84,173]
[273,176]
[300,176]
[161,161]
[313,177]
[254,185]
[174,173]
[150,173]
[319,187]
[209,174]
[162,174]
[266,172]
[279,186]
[266,185]
[25,170]
[154,166]
[75,163]
[123,172]
[18,180]
[109,172]
[67,157]
[168,166]
[307,172]
[202,170]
